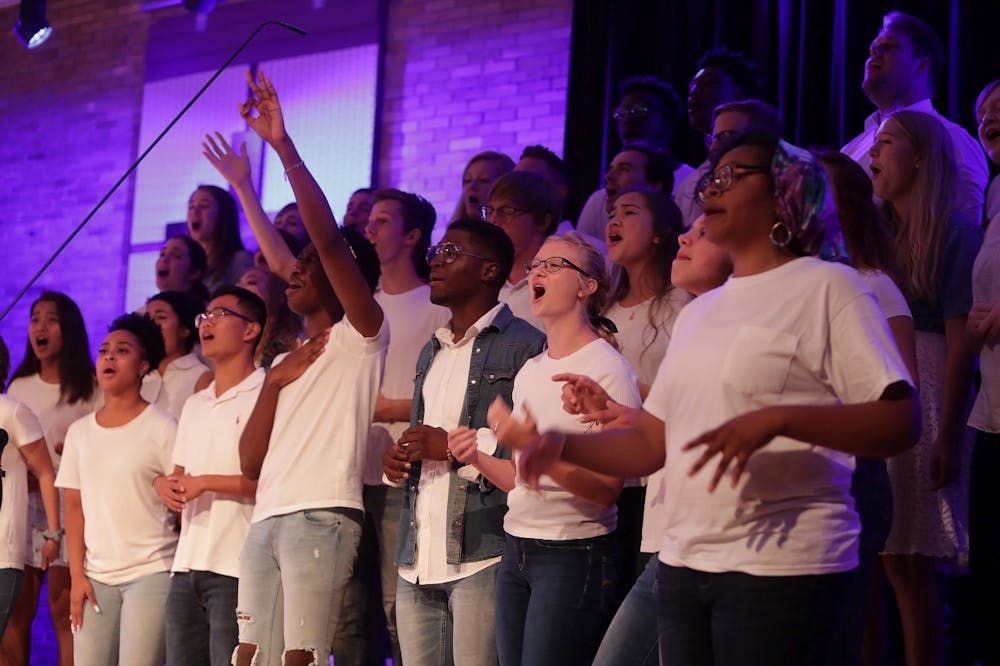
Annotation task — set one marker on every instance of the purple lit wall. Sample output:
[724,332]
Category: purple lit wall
[458,77]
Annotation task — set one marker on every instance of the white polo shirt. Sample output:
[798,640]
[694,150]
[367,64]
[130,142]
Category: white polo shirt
[321,425]
[213,525]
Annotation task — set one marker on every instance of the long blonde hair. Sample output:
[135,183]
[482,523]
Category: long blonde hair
[593,263]
[920,238]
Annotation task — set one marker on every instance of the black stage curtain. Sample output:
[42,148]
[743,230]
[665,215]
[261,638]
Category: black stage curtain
[810,54]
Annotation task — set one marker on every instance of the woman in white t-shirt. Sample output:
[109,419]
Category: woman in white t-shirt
[771,385]
[119,535]
[22,444]
[555,584]
[55,380]
[181,372]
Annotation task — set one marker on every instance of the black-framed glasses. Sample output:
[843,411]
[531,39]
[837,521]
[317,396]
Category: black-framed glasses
[502,214]
[219,312]
[554,265]
[634,111]
[723,178]
[449,252]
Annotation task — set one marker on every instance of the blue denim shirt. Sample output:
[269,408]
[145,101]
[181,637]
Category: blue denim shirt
[475,510]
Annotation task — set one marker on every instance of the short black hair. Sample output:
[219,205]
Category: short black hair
[4,362]
[490,241]
[252,304]
[661,91]
[658,166]
[924,42]
[186,307]
[364,253]
[362,190]
[735,65]
[147,332]
[553,161]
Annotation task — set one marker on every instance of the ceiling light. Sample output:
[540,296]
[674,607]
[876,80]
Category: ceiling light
[32,28]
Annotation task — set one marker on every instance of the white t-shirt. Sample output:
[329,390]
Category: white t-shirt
[127,530]
[170,391]
[321,425]
[444,401]
[412,320]
[552,512]
[986,289]
[22,428]
[214,526]
[594,215]
[888,295]
[973,173]
[643,345]
[806,333]
[517,296]
[42,399]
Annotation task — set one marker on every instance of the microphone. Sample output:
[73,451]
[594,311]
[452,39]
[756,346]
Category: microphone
[128,172]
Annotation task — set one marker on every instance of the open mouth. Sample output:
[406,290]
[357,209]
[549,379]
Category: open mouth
[195,225]
[876,170]
[537,291]
[614,237]
[41,342]
[162,272]
[991,134]
[108,371]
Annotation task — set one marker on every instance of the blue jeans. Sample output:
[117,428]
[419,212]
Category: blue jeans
[450,624]
[554,599]
[632,639]
[201,619]
[130,627]
[293,569]
[10,587]
[735,619]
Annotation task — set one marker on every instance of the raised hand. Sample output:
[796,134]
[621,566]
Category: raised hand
[463,445]
[735,441]
[269,123]
[233,166]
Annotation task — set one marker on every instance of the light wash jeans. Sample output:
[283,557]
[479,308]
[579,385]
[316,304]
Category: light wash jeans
[450,624]
[293,570]
[129,630]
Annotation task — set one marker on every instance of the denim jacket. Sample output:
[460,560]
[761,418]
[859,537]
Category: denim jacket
[475,509]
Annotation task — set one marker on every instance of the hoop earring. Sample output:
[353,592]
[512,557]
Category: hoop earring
[781,234]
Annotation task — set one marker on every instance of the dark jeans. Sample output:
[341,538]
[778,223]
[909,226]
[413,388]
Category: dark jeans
[201,619]
[984,543]
[10,587]
[735,619]
[553,599]
[631,640]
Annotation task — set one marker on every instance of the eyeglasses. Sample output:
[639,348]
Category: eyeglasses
[721,136]
[554,265]
[219,312]
[501,215]
[634,111]
[449,252]
[723,178]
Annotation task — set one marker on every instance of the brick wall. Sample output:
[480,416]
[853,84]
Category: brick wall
[461,76]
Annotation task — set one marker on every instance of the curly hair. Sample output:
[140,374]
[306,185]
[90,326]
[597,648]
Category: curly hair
[147,332]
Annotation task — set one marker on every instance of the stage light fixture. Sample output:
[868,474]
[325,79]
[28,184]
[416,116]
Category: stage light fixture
[199,6]
[32,28]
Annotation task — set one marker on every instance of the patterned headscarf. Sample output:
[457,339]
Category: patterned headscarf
[805,202]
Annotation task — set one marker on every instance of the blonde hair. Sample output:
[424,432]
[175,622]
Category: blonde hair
[593,263]
[920,238]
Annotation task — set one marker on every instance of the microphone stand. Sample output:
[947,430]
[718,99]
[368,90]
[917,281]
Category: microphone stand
[128,172]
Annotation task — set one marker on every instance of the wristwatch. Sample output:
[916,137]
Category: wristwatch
[54,535]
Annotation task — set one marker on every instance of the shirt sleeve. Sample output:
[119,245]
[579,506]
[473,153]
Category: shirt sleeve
[69,466]
[24,426]
[955,268]
[186,429]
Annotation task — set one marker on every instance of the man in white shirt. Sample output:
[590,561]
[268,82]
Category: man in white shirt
[451,525]
[305,440]
[904,60]
[215,500]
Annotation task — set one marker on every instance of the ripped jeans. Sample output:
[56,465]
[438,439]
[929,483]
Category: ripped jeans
[293,571]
